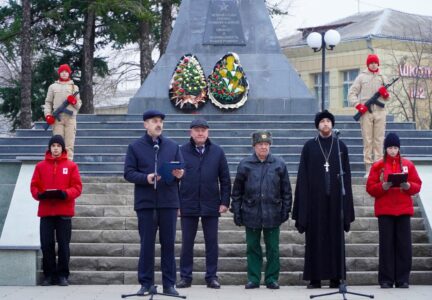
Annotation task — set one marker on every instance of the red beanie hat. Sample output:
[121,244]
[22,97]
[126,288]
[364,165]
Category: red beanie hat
[372,58]
[64,67]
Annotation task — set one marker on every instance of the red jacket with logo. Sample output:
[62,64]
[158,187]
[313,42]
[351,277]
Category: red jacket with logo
[56,173]
[394,201]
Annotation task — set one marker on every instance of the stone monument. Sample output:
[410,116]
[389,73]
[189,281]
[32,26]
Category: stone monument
[209,29]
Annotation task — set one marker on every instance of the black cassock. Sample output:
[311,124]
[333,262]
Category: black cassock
[317,207]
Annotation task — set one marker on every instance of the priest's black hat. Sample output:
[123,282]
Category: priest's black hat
[324,114]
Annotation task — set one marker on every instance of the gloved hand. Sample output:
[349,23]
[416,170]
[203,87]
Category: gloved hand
[386,185]
[383,92]
[72,99]
[41,196]
[63,195]
[238,220]
[361,108]
[50,119]
[405,186]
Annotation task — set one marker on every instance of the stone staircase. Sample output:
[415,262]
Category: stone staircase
[105,242]
[102,140]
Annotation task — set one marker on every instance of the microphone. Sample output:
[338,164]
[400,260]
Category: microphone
[156,147]
[336,132]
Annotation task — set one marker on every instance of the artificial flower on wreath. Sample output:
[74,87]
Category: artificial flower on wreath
[188,86]
[227,85]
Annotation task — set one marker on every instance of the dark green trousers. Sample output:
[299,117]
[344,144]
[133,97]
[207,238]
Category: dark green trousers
[255,255]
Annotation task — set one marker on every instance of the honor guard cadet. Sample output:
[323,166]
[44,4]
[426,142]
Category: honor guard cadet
[156,200]
[317,208]
[204,194]
[63,124]
[373,122]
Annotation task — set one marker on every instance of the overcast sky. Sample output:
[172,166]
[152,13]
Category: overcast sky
[306,13]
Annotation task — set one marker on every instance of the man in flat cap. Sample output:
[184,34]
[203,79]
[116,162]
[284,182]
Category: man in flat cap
[261,201]
[204,193]
[317,208]
[155,204]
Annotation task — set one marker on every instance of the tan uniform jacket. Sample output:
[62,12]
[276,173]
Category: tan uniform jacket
[365,86]
[57,93]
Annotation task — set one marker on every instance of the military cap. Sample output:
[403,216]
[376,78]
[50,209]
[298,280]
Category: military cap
[261,136]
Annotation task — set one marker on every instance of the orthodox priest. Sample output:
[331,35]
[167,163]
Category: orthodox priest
[317,203]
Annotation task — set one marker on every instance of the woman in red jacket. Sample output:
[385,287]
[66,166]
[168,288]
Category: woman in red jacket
[394,208]
[56,183]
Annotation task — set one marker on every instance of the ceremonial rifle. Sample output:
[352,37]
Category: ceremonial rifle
[61,109]
[374,100]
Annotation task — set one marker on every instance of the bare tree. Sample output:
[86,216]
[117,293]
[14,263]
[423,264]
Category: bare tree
[25,117]
[412,95]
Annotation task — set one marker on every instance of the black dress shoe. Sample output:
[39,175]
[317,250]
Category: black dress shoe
[386,285]
[47,281]
[182,284]
[251,285]
[334,283]
[170,290]
[144,290]
[314,284]
[273,285]
[402,285]
[213,284]
[63,281]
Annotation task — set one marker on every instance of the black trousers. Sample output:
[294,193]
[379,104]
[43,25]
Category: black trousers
[149,221]
[189,227]
[395,249]
[52,229]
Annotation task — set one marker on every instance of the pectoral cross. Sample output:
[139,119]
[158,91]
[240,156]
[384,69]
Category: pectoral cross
[326,166]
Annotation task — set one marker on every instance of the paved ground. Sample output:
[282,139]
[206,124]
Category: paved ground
[108,292]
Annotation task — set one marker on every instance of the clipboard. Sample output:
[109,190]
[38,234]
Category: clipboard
[397,178]
[165,171]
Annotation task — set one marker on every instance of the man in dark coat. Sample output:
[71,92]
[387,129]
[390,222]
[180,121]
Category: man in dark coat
[261,201]
[204,193]
[317,203]
[155,204]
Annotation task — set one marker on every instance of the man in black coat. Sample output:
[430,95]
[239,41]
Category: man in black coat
[261,201]
[155,204]
[317,203]
[204,193]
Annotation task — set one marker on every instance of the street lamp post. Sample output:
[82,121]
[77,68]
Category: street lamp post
[319,42]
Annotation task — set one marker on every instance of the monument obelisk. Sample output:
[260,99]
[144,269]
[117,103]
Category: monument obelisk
[209,29]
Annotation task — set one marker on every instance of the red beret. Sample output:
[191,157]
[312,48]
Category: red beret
[64,67]
[372,58]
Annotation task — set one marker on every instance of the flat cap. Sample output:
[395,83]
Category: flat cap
[199,123]
[153,113]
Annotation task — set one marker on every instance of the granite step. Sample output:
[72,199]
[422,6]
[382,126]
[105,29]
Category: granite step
[230,250]
[227,236]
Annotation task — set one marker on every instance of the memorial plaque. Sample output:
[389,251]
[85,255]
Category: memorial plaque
[223,24]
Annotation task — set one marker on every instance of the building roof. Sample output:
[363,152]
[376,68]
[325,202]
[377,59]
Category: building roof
[386,23]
